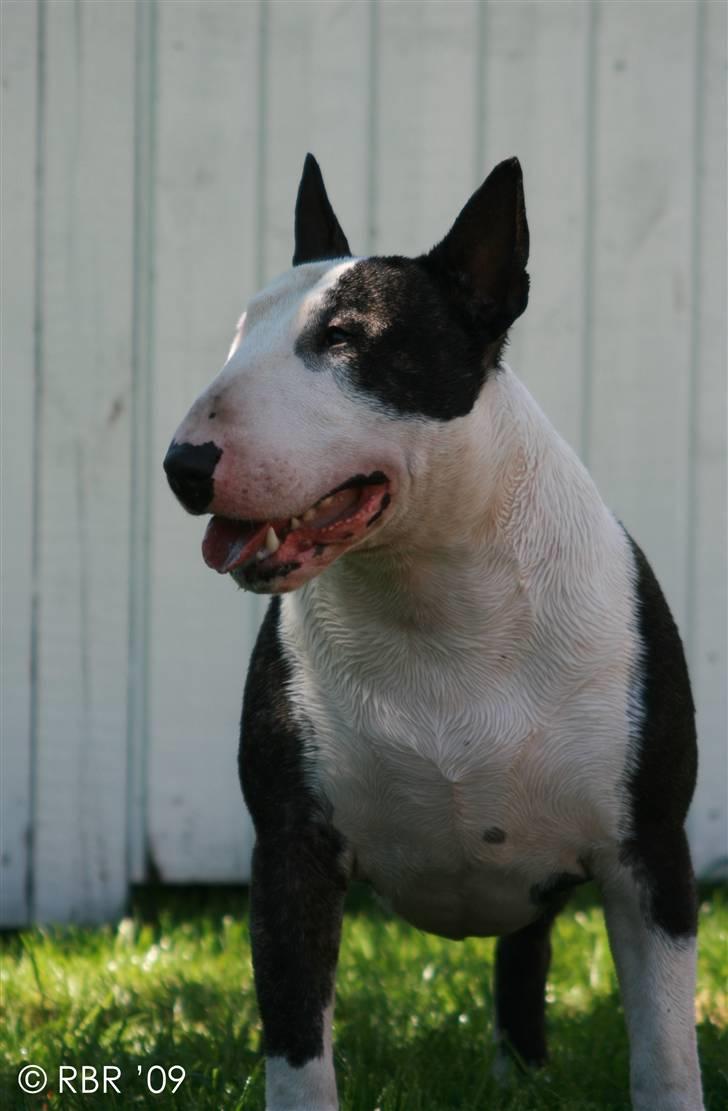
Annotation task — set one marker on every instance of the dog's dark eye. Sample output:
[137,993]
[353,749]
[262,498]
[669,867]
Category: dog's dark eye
[336,337]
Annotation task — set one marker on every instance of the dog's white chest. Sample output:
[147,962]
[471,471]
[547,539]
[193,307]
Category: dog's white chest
[457,803]
[469,714]
[424,806]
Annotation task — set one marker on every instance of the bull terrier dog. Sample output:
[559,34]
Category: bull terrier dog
[468,689]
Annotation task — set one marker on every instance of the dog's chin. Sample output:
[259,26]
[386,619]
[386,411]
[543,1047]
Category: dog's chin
[285,577]
[280,554]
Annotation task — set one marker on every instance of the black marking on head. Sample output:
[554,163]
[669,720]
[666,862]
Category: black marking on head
[299,880]
[318,234]
[411,346]
[555,886]
[483,257]
[494,835]
[189,469]
[662,779]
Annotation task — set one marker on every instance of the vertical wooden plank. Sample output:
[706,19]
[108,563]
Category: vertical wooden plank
[80,852]
[536,105]
[18,35]
[706,629]
[641,336]
[244,92]
[201,631]
[316,97]
[426,121]
[143,310]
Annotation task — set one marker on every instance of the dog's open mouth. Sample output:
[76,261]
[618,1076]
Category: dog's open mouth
[260,550]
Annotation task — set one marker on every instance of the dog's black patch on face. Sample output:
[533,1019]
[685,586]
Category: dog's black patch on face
[555,886]
[662,781]
[298,879]
[406,343]
[494,835]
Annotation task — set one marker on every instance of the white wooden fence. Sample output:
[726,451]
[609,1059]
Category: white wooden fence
[150,156]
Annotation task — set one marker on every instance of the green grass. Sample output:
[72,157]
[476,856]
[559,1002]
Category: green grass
[172,985]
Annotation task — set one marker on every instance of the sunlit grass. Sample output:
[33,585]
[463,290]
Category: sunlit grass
[172,985]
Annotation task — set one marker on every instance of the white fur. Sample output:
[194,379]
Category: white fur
[471,665]
[657,982]
[477,669]
[287,434]
[312,1087]
[464,677]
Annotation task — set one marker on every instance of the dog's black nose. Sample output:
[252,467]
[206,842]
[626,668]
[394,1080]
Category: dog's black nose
[189,469]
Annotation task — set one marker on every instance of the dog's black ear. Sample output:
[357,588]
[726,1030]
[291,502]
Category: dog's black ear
[486,250]
[318,232]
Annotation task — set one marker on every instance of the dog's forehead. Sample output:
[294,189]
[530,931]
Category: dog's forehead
[296,295]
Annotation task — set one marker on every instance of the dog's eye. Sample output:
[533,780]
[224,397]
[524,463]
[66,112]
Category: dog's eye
[336,337]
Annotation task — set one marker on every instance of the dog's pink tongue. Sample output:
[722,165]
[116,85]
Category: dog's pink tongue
[227,543]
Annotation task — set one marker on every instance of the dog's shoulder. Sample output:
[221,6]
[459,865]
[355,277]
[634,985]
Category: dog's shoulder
[662,776]
[663,765]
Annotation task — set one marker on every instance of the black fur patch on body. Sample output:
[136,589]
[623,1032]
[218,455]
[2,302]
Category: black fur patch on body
[662,781]
[411,346]
[299,881]
[522,962]
[554,886]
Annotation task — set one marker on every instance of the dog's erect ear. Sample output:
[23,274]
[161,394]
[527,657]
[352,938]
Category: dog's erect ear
[486,250]
[318,232]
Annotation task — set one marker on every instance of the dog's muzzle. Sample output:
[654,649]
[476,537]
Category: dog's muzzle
[189,469]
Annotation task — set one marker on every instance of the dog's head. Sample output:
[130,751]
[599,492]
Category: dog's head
[340,379]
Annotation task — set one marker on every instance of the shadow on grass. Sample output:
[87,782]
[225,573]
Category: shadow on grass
[183,901]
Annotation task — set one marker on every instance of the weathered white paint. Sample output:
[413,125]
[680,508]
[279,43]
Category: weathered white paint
[17,294]
[205,235]
[707,597]
[526,83]
[160,145]
[87,144]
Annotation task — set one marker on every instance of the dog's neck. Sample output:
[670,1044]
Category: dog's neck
[487,512]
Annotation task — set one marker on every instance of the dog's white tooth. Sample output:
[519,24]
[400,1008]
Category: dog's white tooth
[295,523]
[309,514]
[262,554]
[325,501]
[272,542]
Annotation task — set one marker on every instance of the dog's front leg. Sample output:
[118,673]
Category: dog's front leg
[296,908]
[300,876]
[651,919]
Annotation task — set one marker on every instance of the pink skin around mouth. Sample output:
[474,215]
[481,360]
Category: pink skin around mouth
[335,522]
